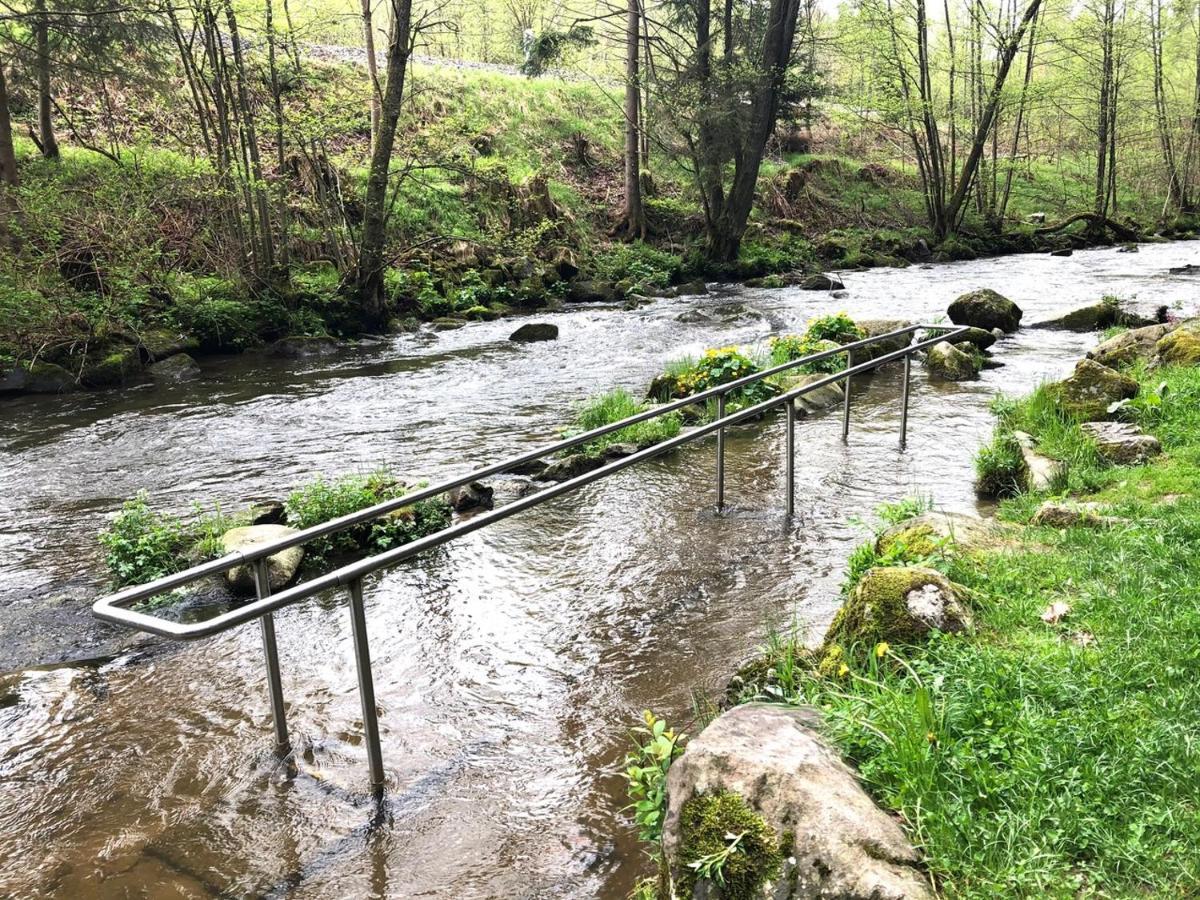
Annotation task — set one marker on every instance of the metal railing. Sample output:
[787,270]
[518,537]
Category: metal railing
[116,608]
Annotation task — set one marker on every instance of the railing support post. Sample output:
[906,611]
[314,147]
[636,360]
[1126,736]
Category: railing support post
[790,458]
[262,587]
[720,455]
[846,398]
[904,402]
[366,685]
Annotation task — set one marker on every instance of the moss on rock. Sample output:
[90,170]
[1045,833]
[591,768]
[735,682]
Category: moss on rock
[1182,346]
[985,309]
[111,366]
[900,605]
[1091,389]
[706,822]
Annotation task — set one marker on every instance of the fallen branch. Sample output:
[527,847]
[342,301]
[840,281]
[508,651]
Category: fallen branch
[1095,223]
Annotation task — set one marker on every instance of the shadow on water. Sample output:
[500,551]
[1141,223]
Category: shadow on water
[508,673]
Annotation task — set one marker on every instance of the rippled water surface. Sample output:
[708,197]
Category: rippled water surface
[509,664]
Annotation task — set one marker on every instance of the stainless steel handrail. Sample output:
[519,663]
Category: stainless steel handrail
[114,608]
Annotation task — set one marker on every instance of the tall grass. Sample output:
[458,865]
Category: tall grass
[614,406]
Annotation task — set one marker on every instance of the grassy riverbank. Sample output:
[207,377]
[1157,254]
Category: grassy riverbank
[506,206]
[1050,750]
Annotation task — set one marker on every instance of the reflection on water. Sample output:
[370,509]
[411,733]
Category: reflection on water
[508,664]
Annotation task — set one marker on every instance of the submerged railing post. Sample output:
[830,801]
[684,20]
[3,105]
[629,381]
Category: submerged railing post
[366,685]
[262,587]
[904,402]
[790,458]
[720,455]
[846,398]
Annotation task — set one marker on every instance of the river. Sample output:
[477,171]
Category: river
[508,665]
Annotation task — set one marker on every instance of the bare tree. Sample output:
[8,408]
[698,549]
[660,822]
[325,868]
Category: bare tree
[633,216]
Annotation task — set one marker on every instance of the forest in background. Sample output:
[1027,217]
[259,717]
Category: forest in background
[238,172]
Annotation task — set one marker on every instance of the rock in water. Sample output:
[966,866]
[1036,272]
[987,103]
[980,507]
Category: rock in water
[534,331]
[1128,347]
[824,397]
[160,343]
[986,309]
[475,495]
[179,367]
[877,327]
[763,769]
[1095,317]
[821,282]
[950,363]
[38,378]
[922,535]
[1182,346]
[281,567]
[980,338]
[1122,443]
[302,345]
[570,467]
[1092,388]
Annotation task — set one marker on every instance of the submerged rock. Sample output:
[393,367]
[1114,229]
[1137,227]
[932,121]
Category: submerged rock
[475,495]
[299,346]
[38,378]
[1130,346]
[179,367]
[986,309]
[1123,443]
[763,770]
[822,282]
[1182,346]
[281,567]
[570,467]
[160,343]
[1092,388]
[900,605]
[532,332]
[949,362]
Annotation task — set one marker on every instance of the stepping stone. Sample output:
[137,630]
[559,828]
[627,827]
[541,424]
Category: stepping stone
[1123,443]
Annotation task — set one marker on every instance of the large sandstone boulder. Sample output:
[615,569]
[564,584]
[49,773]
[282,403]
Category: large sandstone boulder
[950,362]
[811,831]
[986,309]
[1092,388]
[1123,443]
[1130,346]
[897,604]
[925,534]
[281,568]
[1182,346]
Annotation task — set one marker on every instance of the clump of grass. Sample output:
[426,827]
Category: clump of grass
[721,365]
[999,467]
[614,406]
[142,545]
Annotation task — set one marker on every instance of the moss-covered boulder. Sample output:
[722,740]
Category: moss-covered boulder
[950,362]
[877,327]
[36,378]
[532,332]
[932,532]
[979,338]
[110,366]
[808,829]
[985,309]
[1129,346]
[1096,316]
[1092,389]
[817,399]
[282,567]
[160,343]
[179,367]
[897,604]
[1182,346]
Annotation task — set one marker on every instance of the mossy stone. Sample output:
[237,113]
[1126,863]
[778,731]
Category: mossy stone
[37,378]
[111,367]
[950,362]
[1182,346]
[896,604]
[1091,389]
[705,822]
[985,309]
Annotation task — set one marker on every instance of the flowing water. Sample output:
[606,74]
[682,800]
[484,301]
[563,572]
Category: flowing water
[509,664]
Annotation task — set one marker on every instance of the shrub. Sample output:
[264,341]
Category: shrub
[645,266]
[837,327]
[620,404]
[142,545]
[321,500]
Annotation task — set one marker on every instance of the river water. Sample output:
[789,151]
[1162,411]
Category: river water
[508,665]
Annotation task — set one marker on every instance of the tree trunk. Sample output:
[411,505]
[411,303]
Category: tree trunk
[8,157]
[1100,204]
[369,277]
[41,28]
[280,141]
[372,69]
[633,217]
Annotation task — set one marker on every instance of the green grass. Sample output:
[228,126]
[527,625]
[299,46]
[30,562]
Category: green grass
[1050,760]
[613,407]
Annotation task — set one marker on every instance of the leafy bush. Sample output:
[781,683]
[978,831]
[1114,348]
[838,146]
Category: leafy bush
[321,500]
[645,266]
[655,748]
[837,327]
[821,332]
[142,545]
[620,404]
